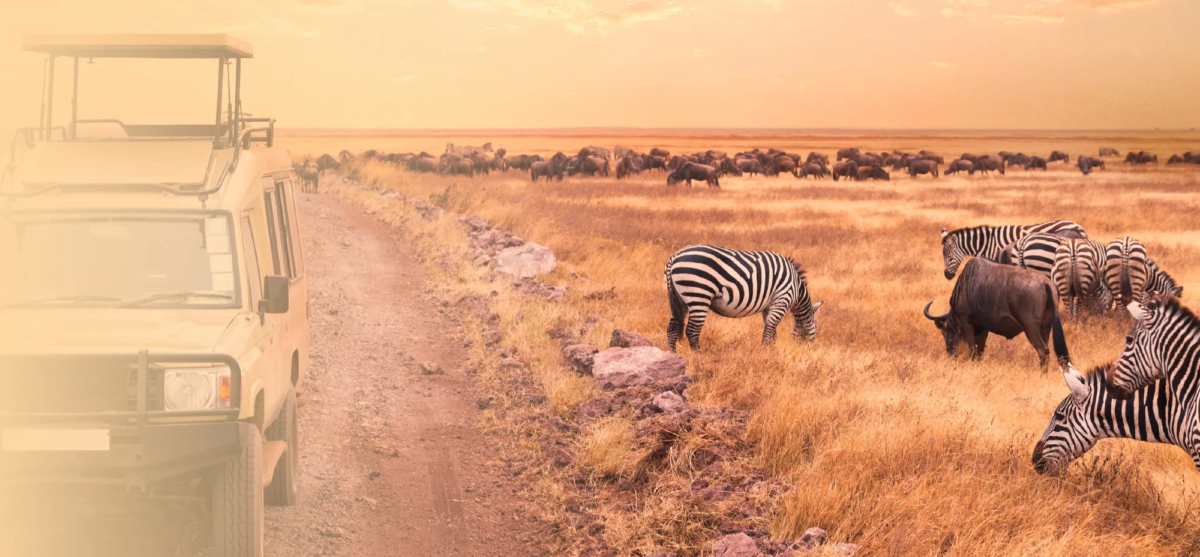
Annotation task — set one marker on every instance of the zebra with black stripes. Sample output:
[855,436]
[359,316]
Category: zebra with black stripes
[1034,252]
[736,283]
[1078,273]
[989,242]
[1163,412]
[1126,262]
[1159,282]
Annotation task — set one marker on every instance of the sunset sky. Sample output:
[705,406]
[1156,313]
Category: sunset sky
[1044,64]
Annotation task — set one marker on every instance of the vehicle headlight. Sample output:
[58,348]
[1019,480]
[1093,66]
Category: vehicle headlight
[194,388]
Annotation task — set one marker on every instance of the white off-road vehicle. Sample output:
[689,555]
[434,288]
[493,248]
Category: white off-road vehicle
[153,302]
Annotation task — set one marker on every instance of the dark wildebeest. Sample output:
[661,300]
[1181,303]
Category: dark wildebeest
[1175,159]
[656,152]
[959,165]
[1191,158]
[812,169]
[653,162]
[749,166]
[676,162]
[729,167]
[845,169]
[345,156]
[1109,152]
[930,155]
[1095,163]
[814,156]
[1059,156]
[1006,155]
[969,157]
[460,167]
[1085,165]
[630,164]
[848,153]
[326,162]
[785,163]
[695,171]
[545,168]
[1005,300]
[519,162]
[1018,160]
[592,166]
[986,164]
[1036,162]
[872,173]
[923,166]
[620,152]
[310,177]
[423,164]
[1145,158]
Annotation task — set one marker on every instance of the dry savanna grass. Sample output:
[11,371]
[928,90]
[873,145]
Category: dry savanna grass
[878,435]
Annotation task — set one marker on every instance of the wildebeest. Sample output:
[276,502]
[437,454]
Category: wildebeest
[310,177]
[959,165]
[695,171]
[872,173]
[814,156]
[1141,157]
[923,166]
[345,156]
[845,169]
[812,169]
[784,163]
[545,168]
[749,166]
[1018,160]
[1036,162]
[326,162]
[460,167]
[1004,300]
[629,164]
[848,153]
[1059,156]
[1175,159]
[657,152]
[592,165]
[986,164]
[1109,152]
[930,155]
[654,162]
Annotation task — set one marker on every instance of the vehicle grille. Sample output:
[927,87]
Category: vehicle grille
[76,389]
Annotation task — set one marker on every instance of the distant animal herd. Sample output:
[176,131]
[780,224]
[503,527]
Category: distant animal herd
[711,165]
[1020,279]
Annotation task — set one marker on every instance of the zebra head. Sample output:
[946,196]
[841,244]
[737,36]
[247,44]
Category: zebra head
[1141,361]
[1071,431]
[952,253]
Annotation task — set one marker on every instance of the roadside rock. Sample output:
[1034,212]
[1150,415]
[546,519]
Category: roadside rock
[580,357]
[627,339]
[595,408]
[813,537]
[430,368]
[736,545]
[669,402]
[525,261]
[641,365]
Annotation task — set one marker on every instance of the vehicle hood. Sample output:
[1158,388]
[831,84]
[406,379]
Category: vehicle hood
[67,330]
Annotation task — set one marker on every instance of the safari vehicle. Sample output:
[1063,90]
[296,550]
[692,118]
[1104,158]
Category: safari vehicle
[153,304]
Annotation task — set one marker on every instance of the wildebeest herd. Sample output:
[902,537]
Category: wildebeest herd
[1021,279]
[709,166]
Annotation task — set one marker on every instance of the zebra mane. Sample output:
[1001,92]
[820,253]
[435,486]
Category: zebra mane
[1173,305]
[957,231]
[1098,370]
[799,270]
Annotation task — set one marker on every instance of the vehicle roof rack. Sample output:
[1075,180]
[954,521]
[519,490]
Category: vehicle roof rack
[213,46]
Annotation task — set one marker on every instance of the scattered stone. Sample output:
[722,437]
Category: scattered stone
[595,408]
[483,403]
[627,339]
[580,357]
[641,365]
[525,261]
[430,368]
[678,384]
[555,296]
[588,325]
[736,545]
[373,475]
[719,492]
[389,194]
[669,402]
[330,532]
[813,537]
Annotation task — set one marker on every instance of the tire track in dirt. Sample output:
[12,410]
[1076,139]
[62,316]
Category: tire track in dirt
[391,463]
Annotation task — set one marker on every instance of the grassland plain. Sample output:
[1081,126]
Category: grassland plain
[877,434]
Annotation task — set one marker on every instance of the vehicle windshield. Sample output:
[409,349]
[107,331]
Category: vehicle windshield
[119,260]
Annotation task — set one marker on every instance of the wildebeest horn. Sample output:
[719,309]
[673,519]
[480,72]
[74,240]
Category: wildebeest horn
[935,317]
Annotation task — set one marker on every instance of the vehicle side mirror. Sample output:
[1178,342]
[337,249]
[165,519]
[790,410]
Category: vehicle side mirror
[275,295]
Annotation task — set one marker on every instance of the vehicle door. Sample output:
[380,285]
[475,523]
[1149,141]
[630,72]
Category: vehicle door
[293,329]
[259,247]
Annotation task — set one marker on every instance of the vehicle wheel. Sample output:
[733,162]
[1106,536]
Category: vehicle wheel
[282,490]
[237,501]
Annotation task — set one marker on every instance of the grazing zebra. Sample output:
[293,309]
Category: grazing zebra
[1126,261]
[1078,273]
[1034,252]
[1159,282]
[990,242]
[1162,343]
[736,284]
[1163,412]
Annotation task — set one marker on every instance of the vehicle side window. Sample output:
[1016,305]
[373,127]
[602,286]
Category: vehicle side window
[285,225]
[252,271]
[293,228]
[269,206]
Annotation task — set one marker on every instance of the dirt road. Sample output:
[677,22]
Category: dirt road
[390,462]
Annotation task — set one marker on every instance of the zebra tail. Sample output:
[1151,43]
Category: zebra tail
[1126,288]
[1075,285]
[1056,331]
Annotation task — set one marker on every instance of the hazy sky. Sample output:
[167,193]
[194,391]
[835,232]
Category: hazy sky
[657,63]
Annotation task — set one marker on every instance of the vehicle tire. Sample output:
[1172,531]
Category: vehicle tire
[237,500]
[282,491]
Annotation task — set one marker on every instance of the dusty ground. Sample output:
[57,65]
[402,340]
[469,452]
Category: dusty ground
[391,464]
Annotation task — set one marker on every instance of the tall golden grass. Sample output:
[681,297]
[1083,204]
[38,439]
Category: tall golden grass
[879,436]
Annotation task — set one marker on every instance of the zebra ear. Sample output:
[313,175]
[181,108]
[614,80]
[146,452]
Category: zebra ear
[817,306]
[1076,383]
[944,233]
[1136,310]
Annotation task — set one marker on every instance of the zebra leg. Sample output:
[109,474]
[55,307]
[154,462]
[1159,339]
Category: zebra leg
[771,318]
[695,323]
[673,330]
